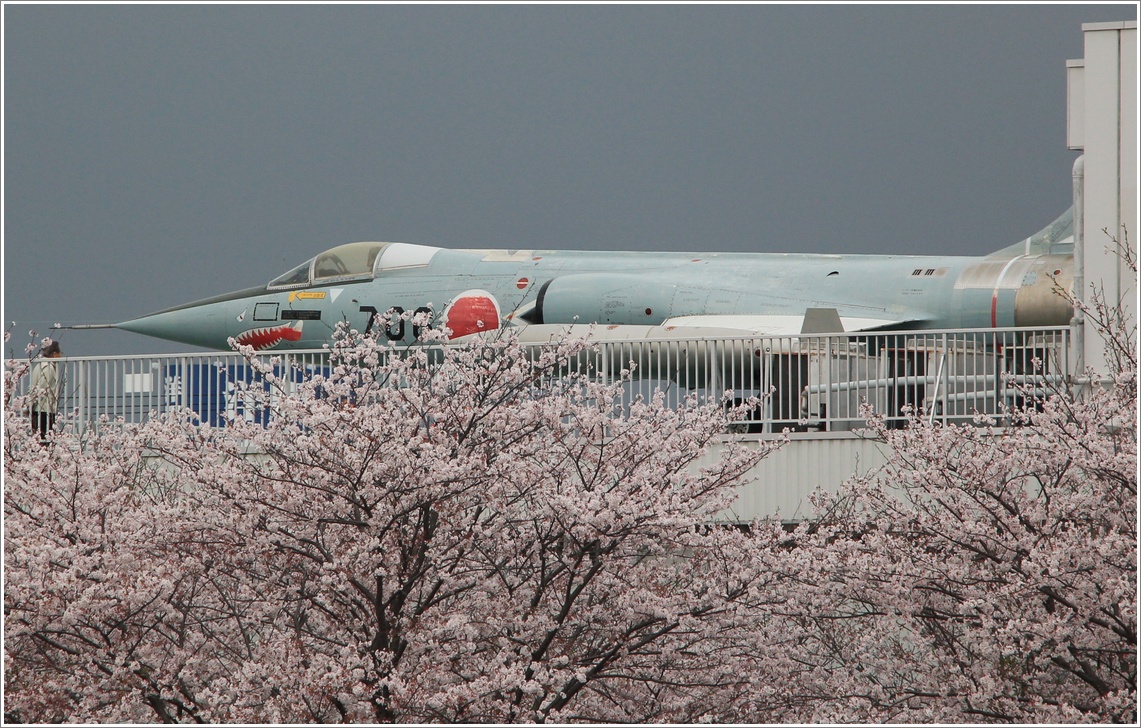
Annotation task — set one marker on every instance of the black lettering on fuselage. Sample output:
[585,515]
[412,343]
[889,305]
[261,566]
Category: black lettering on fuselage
[395,329]
[371,311]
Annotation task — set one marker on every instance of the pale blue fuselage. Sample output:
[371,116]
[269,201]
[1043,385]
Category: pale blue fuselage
[751,293]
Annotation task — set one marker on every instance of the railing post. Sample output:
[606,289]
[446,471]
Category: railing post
[1064,357]
[939,378]
[713,378]
[183,383]
[830,361]
[81,397]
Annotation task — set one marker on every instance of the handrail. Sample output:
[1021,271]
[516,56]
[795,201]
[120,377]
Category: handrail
[808,382]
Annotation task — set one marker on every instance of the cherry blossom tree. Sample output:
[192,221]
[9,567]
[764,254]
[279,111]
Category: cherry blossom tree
[444,535]
[107,604]
[485,533]
[985,574]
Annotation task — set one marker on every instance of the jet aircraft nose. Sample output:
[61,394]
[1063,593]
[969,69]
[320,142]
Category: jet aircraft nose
[207,323]
[195,325]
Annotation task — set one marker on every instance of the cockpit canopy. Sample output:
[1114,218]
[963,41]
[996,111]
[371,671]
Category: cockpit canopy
[355,261]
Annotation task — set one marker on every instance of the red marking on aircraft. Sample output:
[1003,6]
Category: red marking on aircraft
[268,336]
[471,312]
[521,283]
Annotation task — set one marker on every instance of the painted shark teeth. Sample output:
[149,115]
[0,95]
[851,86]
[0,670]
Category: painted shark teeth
[269,336]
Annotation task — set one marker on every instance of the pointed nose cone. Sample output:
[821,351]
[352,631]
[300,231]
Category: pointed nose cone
[204,326]
[208,322]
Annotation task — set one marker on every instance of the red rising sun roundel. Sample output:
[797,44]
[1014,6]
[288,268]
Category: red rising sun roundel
[471,312]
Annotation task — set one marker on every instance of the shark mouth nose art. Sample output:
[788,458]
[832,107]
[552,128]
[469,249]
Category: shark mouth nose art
[269,336]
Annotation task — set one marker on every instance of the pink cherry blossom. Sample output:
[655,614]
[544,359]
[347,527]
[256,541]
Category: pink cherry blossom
[488,533]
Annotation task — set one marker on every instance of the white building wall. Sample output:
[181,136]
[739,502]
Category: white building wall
[1102,121]
[782,482]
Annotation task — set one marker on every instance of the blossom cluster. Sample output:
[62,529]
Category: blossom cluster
[487,533]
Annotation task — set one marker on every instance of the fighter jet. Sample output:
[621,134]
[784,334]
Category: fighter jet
[628,295]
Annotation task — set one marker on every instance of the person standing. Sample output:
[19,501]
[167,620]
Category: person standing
[45,390]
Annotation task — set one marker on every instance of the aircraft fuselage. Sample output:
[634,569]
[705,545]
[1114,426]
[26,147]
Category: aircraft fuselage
[476,291]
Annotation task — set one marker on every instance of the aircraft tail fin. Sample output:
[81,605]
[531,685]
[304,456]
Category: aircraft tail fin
[1055,238]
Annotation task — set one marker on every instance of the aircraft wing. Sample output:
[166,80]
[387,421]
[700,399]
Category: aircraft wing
[813,321]
[695,328]
[475,312]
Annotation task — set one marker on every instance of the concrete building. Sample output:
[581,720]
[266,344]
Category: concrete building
[1101,122]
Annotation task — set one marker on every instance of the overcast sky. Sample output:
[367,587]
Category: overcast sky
[155,155]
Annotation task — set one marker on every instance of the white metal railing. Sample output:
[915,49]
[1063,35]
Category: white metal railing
[815,382]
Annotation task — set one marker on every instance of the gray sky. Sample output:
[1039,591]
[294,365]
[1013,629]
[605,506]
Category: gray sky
[155,155]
